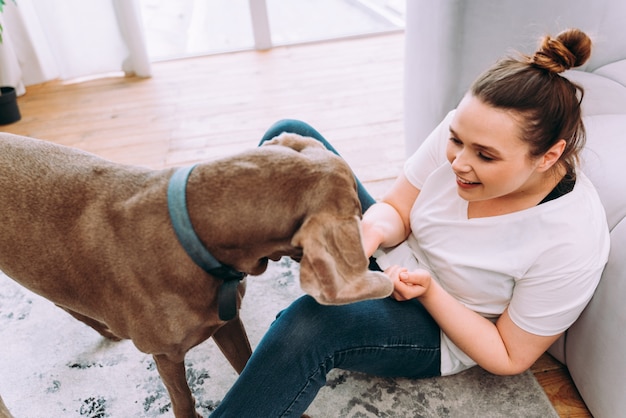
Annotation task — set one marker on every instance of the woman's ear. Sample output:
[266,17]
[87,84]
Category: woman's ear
[550,158]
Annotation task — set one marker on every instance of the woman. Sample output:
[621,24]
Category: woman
[494,240]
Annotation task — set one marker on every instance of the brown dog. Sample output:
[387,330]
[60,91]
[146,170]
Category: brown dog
[4,412]
[95,238]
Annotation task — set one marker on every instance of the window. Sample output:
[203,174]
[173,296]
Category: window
[185,28]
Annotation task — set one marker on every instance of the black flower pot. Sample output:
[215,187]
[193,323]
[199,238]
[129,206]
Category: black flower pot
[9,112]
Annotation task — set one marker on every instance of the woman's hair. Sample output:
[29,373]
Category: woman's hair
[549,104]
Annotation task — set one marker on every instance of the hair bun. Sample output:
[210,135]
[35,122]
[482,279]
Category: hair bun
[571,48]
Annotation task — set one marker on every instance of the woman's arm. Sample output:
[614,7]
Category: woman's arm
[500,348]
[387,223]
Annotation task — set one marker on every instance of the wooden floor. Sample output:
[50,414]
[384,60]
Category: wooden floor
[204,108]
[557,383]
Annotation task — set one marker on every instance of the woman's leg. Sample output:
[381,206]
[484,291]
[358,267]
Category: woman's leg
[382,337]
[304,129]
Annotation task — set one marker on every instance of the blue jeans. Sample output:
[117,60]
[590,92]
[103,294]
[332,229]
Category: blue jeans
[382,337]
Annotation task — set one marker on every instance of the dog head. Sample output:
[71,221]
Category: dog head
[333,264]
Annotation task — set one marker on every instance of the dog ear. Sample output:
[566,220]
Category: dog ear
[334,267]
[294,141]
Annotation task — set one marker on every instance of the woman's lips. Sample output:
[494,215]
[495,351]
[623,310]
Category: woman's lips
[466,184]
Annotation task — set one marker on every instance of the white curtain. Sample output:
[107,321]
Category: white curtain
[66,39]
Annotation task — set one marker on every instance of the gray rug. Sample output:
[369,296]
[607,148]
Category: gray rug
[54,366]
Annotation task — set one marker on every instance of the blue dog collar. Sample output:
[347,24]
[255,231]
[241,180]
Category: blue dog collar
[181,222]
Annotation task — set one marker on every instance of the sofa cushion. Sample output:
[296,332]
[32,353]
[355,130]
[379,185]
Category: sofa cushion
[616,71]
[602,162]
[602,95]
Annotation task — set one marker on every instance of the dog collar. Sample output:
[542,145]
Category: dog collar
[179,216]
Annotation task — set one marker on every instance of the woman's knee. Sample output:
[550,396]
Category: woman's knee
[288,125]
[302,128]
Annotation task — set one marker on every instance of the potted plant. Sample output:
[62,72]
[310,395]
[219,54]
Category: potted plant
[9,112]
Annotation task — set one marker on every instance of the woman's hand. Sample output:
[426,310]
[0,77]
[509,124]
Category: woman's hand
[387,222]
[408,284]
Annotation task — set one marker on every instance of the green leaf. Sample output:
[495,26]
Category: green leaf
[2,3]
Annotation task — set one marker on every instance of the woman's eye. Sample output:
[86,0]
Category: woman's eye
[484,157]
[479,153]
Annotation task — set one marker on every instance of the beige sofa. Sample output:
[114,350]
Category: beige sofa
[448,43]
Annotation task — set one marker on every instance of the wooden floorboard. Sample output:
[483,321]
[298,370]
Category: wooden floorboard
[204,108]
[557,383]
[208,107]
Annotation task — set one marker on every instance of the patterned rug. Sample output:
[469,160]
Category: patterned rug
[54,366]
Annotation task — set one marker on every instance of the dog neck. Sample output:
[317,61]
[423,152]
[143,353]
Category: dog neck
[189,240]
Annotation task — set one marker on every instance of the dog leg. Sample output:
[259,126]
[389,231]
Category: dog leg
[4,412]
[232,340]
[97,325]
[175,380]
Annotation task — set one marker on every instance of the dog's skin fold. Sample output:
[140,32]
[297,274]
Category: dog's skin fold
[95,238]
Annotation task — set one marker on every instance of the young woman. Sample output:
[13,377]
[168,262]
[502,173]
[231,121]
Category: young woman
[494,239]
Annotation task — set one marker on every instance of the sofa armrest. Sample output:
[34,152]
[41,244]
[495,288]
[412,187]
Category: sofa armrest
[595,343]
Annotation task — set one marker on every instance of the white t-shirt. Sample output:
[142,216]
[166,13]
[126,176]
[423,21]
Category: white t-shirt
[544,262]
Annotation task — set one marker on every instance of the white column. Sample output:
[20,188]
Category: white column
[260,24]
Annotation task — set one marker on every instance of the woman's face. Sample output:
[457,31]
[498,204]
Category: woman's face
[487,155]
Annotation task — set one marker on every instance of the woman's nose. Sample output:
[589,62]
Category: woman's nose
[460,162]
